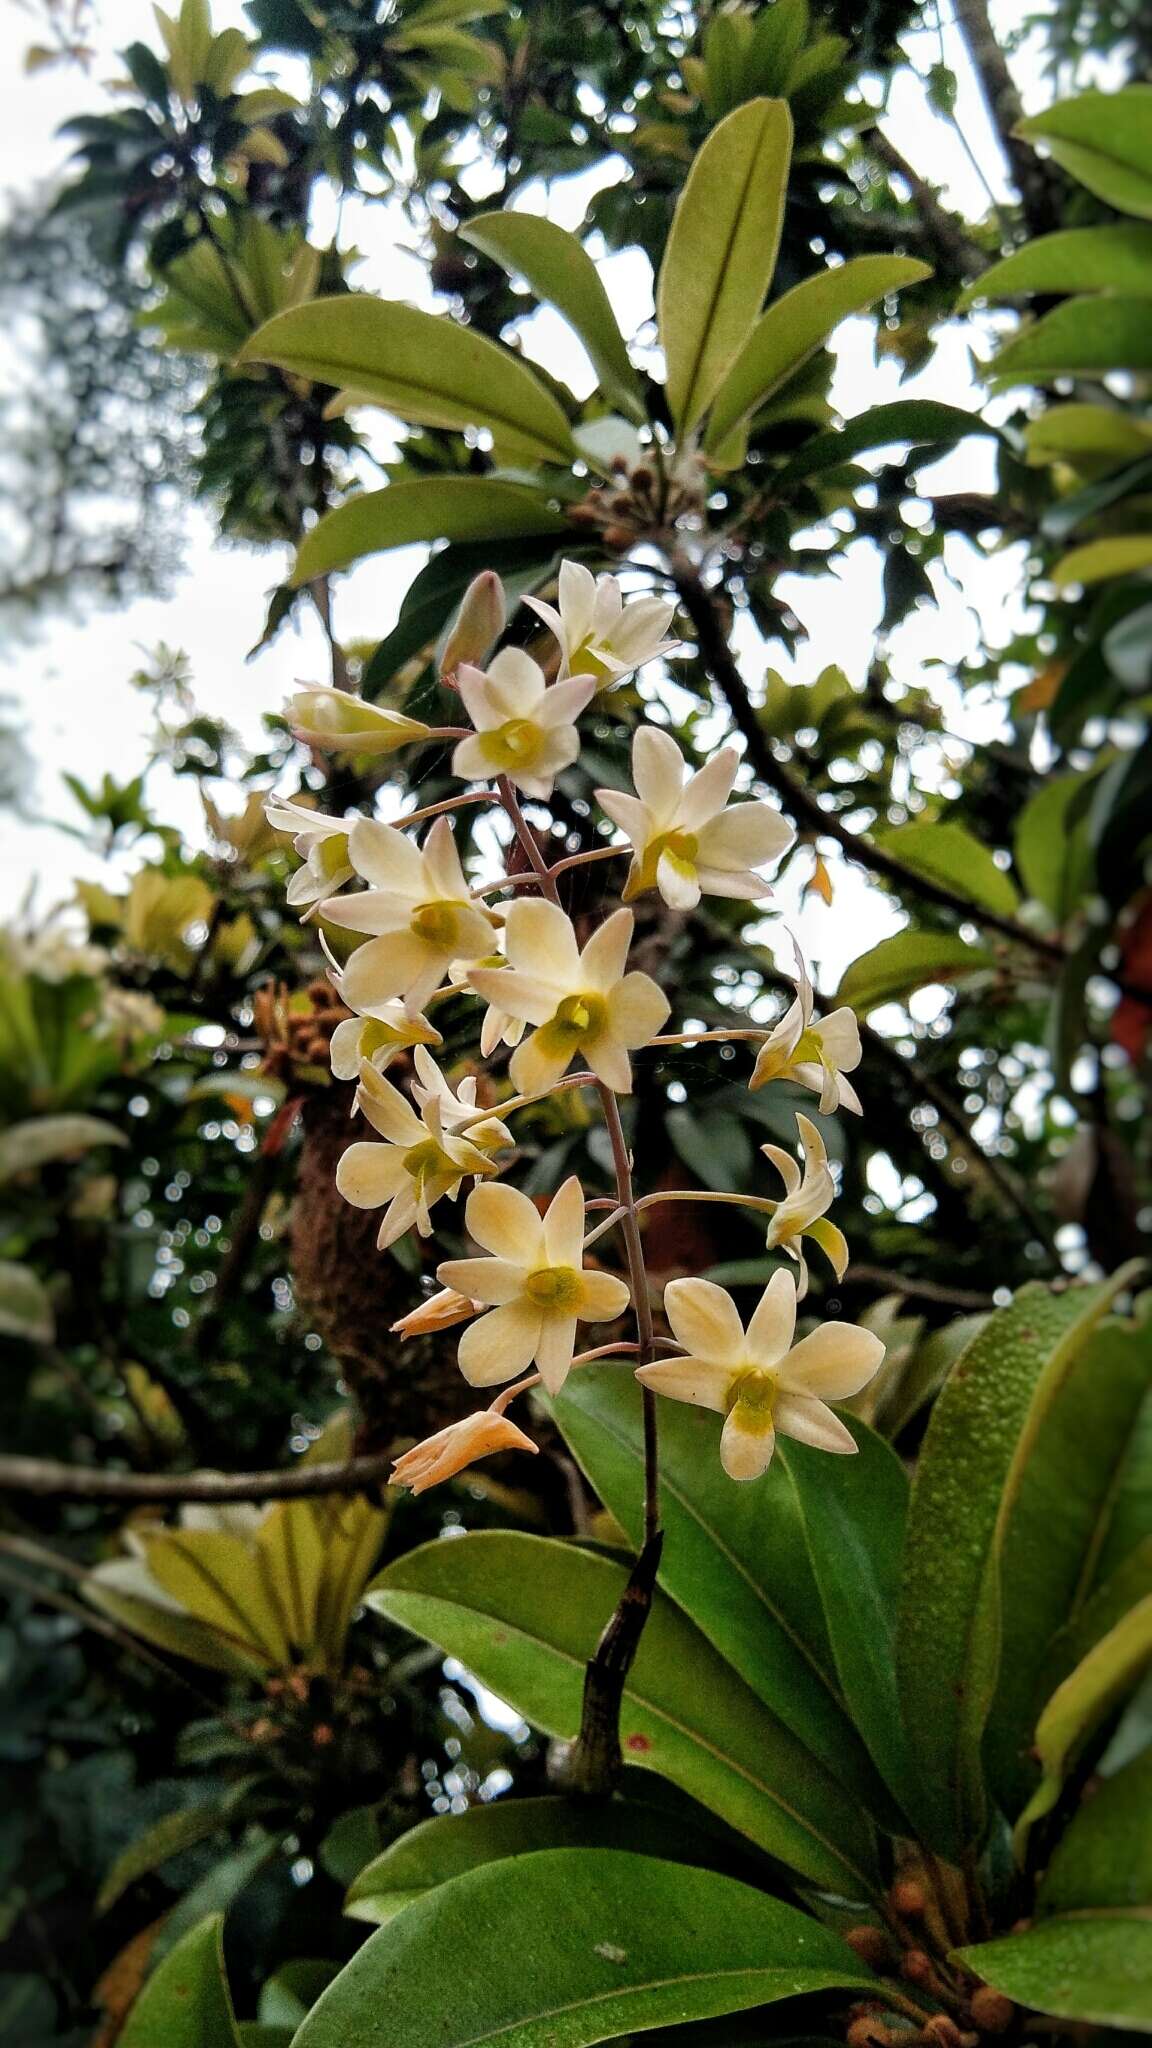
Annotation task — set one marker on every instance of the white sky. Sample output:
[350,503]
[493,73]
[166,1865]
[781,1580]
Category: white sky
[71,682]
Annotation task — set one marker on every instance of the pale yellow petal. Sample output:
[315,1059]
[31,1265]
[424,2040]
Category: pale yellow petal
[810,1422]
[688,1379]
[746,1446]
[773,1323]
[500,1345]
[506,1223]
[835,1361]
[564,1225]
[603,1297]
[554,1349]
[637,1010]
[705,1320]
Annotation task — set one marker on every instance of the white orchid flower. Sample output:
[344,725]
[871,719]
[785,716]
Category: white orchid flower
[536,1284]
[418,908]
[378,1039]
[761,1382]
[322,844]
[599,634]
[817,1055]
[579,1002]
[806,1197]
[685,842]
[524,729]
[453,1449]
[457,1106]
[340,723]
[419,1162]
[498,1027]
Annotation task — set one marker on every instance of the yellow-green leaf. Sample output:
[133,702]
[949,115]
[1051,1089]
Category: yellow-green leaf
[1079,1707]
[422,366]
[455,508]
[1105,140]
[909,960]
[1099,559]
[950,854]
[721,252]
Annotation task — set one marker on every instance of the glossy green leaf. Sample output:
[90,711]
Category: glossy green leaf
[432,597]
[1096,1968]
[1104,139]
[971,1466]
[1131,1520]
[1104,258]
[422,366]
[735,1557]
[721,252]
[910,421]
[525,1613]
[438,1850]
[1053,1532]
[166,1838]
[1081,338]
[186,2001]
[25,1147]
[909,960]
[1080,1707]
[1104,1857]
[454,508]
[794,327]
[589,1944]
[950,854]
[1113,1596]
[1120,555]
[25,1305]
[560,271]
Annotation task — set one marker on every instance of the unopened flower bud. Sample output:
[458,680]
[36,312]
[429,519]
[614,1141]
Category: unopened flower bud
[479,623]
[439,1312]
[339,723]
[991,2011]
[868,2033]
[916,1966]
[908,1898]
[871,1944]
[451,1450]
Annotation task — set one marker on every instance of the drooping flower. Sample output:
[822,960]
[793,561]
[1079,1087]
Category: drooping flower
[322,844]
[440,1312]
[524,729]
[761,1382]
[684,841]
[343,724]
[453,1449]
[817,1055]
[802,1212]
[418,908]
[378,1039]
[498,1027]
[599,634]
[419,1162]
[536,1284]
[579,1002]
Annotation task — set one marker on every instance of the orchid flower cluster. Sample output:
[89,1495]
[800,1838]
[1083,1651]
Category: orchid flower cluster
[569,1015]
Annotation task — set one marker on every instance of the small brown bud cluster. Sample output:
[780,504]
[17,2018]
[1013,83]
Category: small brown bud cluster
[640,503]
[296,1029]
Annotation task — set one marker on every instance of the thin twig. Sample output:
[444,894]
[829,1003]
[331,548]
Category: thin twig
[48,1479]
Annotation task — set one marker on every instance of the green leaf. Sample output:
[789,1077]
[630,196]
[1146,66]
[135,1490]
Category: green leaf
[25,1305]
[909,960]
[172,1833]
[1080,1707]
[525,1613]
[453,508]
[421,366]
[1096,1967]
[1104,1857]
[1105,140]
[911,420]
[186,2002]
[1098,432]
[1053,1533]
[1120,555]
[735,1557]
[1118,1590]
[1104,258]
[600,1943]
[721,252]
[1050,855]
[794,327]
[438,1850]
[1081,338]
[560,272]
[433,595]
[950,854]
[983,1429]
[25,1147]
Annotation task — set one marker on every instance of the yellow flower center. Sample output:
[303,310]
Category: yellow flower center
[374,1036]
[809,1047]
[332,854]
[513,744]
[555,1287]
[437,924]
[681,848]
[428,1160]
[754,1394]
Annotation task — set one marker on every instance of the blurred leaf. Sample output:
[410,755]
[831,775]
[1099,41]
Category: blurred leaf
[1104,139]
[950,854]
[1105,258]
[1081,338]
[25,1305]
[166,1838]
[1121,555]
[914,421]
[1082,1705]
[25,1147]
[909,960]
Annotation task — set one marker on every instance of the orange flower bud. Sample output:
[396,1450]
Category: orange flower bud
[439,1312]
[451,1450]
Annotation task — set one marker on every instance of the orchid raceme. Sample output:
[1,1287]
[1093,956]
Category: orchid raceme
[599,634]
[579,1001]
[523,729]
[453,1449]
[418,908]
[418,1163]
[378,1039]
[322,844]
[340,723]
[687,841]
[535,1282]
[817,1055]
[762,1383]
[802,1212]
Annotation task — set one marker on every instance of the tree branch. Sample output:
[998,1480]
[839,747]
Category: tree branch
[948,237]
[47,1478]
[1037,183]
